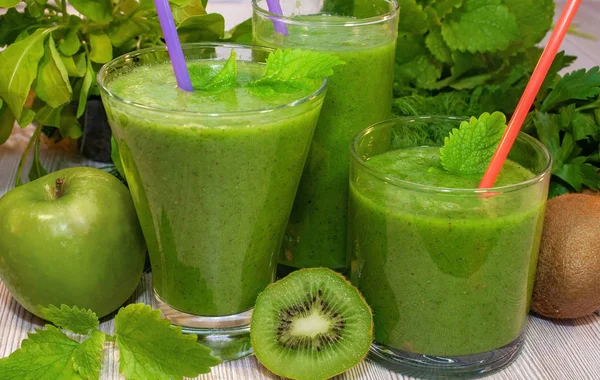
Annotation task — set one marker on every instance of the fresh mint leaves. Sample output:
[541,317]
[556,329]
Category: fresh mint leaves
[209,79]
[293,69]
[285,71]
[150,348]
[47,354]
[469,149]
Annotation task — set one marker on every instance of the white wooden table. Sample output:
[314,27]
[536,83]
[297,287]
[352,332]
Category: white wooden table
[553,350]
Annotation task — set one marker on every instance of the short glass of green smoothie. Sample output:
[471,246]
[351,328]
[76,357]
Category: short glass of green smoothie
[447,268]
[213,177]
[363,34]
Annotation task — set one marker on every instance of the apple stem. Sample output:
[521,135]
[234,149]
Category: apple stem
[58,188]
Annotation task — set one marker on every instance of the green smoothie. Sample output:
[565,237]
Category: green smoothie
[359,94]
[213,177]
[446,274]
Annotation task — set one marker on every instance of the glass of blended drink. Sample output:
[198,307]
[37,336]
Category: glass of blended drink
[447,268]
[359,94]
[213,178]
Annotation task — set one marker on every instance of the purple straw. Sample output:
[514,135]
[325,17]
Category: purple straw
[275,7]
[173,46]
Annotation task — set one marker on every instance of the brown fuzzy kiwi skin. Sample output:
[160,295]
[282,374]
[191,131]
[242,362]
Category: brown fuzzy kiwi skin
[347,282]
[567,281]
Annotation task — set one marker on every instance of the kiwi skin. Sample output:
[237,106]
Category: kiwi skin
[567,281]
[300,272]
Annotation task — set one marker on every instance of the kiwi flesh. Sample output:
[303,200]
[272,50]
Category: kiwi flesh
[311,325]
[567,281]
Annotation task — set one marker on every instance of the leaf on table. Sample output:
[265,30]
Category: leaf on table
[46,355]
[75,65]
[98,10]
[52,83]
[480,26]
[87,358]
[469,149]
[150,348]
[102,50]
[579,174]
[19,63]
[74,319]
[577,85]
[213,80]
[85,89]
[534,19]
[413,18]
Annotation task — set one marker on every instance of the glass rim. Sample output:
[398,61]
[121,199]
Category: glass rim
[538,177]
[109,65]
[395,7]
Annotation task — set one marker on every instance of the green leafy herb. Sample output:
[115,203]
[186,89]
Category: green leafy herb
[210,79]
[578,85]
[79,321]
[469,149]
[51,57]
[143,336]
[150,348]
[50,354]
[293,69]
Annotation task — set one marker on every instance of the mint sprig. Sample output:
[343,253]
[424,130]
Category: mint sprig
[292,70]
[150,348]
[208,79]
[468,150]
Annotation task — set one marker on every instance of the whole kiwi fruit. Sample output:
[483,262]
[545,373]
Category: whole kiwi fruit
[567,283]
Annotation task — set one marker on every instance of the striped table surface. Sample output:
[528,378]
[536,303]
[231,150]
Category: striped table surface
[553,350]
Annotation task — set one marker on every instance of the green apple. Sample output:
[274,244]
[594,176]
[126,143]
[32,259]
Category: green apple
[71,237]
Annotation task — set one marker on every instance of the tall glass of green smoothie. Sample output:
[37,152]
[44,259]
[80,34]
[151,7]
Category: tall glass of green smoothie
[213,177]
[363,34]
[447,268]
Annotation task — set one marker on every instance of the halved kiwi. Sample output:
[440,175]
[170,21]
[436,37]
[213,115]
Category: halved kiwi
[311,325]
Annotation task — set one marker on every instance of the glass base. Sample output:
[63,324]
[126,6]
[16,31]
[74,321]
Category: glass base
[438,367]
[227,336]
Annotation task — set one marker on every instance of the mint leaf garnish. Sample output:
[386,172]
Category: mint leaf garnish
[150,348]
[50,354]
[74,319]
[469,149]
[87,358]
[292,70]
[208,79]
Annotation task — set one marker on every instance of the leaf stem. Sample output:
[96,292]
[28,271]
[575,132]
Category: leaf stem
[63,10]
[34,137]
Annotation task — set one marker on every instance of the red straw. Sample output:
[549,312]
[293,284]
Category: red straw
[533,87]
